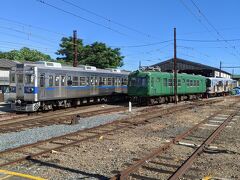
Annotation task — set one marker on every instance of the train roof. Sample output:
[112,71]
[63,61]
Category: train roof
[82,68]
[160,72]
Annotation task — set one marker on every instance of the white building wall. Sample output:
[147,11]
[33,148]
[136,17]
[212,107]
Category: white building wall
[4,77]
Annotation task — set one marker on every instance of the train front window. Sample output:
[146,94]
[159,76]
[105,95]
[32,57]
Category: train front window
[20,78]
[29,79]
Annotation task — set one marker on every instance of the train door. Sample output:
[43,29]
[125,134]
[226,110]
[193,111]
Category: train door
[20,86]
[93,81]
[62,86]
[42,87]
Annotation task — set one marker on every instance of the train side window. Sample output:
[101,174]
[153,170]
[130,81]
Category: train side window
[152,81]
[92,81]
[114,81]
[124,81]
[50,80]
[69,81]
[195,83]
[12,77]
[82,81]
[179,82]
[119,81]
[170,82]
[198,83]
[102,81]
[87,81]
[165,82]
[188,82]
[42,81]
[75,81]
[63,80]
[57,80]
[109,82]
[191,82]
[29,78]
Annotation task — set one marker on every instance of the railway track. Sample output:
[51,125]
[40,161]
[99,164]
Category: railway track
[164,163]
[27,152]
[15,125]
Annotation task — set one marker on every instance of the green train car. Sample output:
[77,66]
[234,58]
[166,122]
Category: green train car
[158,87]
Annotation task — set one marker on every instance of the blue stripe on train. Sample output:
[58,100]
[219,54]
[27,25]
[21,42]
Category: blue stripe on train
[34,90]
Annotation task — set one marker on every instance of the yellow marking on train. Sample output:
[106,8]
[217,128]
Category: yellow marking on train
[20,175]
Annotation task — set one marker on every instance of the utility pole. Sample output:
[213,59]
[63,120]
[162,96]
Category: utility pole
[75,53]
[220,68]
[140,64]
[175,67]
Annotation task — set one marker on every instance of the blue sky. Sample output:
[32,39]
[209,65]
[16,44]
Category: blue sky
[149,25]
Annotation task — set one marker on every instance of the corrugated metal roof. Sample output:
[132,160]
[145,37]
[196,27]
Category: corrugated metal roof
[189,64]
[7,64]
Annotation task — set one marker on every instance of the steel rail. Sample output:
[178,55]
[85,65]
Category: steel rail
[125,173]
[45,121]
[119,124]
[187,164]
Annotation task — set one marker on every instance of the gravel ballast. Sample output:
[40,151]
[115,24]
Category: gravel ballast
[15,139]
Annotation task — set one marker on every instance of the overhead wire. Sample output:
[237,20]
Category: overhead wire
[82,18]
[108,19]
[213,27]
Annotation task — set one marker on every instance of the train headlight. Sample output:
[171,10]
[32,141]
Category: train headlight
[19,101]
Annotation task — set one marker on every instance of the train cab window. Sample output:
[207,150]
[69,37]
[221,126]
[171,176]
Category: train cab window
[20,78]
[69,81]
[42,81]
[165,82]
[57,80]
[179,83]
[82,81]
[63,80]
[29,79]
[50,81]
[109,83]
[75,81]
[170,82]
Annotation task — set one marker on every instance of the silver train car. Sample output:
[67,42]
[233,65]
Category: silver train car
[48,85]
[10,94]
[219,86]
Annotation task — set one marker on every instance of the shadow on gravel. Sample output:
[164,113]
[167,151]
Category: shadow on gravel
[87,175]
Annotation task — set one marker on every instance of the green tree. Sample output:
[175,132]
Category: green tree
[66,48]
[101,56]
[96,54]
[25,54]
